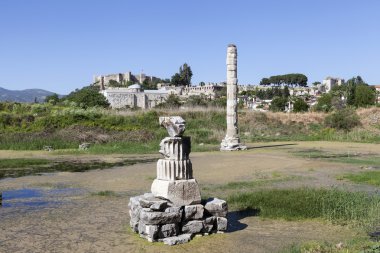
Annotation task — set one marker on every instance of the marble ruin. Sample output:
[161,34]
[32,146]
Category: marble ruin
[232,140]
[173,212]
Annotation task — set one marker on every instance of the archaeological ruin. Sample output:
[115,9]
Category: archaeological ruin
[232,140]
[173,211]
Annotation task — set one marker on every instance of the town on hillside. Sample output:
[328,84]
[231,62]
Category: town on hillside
[279,93]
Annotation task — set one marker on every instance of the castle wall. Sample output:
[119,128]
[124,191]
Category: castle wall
[122,98]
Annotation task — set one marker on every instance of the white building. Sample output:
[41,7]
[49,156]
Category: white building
[134,97]
[329,82]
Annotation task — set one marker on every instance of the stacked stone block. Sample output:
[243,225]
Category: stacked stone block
[159,220]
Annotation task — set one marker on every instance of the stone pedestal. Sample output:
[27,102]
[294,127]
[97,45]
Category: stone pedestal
[179,192]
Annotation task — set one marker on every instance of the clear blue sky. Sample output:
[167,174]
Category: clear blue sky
[60,45]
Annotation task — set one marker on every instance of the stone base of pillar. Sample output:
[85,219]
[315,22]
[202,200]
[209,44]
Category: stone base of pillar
[179,192]
[231,144]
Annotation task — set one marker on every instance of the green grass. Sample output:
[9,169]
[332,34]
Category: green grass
[305,203]
[104,194]
[22,162]
[365,177]
[241,185]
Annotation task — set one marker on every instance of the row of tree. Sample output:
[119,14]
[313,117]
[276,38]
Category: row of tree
[285,80]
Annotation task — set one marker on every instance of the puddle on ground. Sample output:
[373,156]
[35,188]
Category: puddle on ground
[36,197]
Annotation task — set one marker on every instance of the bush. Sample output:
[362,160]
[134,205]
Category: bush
[324,103]
[171,102]
[278,104]
[364,96]
[300,106]
[88,97]
[344,119]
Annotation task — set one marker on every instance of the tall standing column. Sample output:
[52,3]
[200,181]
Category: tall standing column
[232,140]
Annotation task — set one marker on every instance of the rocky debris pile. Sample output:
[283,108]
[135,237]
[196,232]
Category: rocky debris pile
[84,146]
[48,148]
[158,219]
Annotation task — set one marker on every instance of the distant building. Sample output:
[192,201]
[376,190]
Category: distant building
[377,88]
[206,90]
[122,78]
[329,82]
[135,97]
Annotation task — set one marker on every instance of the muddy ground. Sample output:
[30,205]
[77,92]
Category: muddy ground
[69,214]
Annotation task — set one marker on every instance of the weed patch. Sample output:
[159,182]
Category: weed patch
[365,177]
[305,203]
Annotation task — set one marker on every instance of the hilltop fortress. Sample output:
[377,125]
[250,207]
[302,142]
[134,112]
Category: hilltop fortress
[121,95]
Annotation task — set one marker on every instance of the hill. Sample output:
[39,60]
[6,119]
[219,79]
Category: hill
[28,95]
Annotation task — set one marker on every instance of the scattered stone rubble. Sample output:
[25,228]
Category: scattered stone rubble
[173,213]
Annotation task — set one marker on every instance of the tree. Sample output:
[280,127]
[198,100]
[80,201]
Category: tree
[185,74]
[350,88]
[288,79]
[88,96]
[300,105]
[278,104]
[202,84]
[183,77]
[176,80]
[52,99]
[265,82]
[285,92]
[364,96]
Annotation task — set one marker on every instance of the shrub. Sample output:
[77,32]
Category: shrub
[300,106]
[171,102]
[88,97]
[344,119]
[364,96]
[324,103]
[278,104]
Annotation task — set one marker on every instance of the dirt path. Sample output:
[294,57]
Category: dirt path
[87,223]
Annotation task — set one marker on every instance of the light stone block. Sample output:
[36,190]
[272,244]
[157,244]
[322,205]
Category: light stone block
[179,192]
[221,223]
[155,218]
[193,212]
[192,227]
[168,230]
[184,238]
[216,207]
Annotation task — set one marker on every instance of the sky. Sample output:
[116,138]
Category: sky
[60,45]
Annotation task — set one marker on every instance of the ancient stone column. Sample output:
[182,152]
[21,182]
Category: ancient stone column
[175,180]
[232,140]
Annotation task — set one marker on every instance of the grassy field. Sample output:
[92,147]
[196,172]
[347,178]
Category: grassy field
[32,126]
